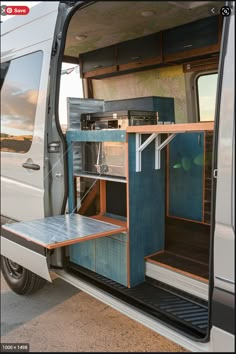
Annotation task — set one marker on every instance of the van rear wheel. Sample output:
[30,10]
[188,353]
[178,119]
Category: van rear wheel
[21,280]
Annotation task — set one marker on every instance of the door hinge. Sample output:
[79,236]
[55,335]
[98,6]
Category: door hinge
[215,173]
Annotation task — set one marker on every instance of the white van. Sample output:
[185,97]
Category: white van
[130,196]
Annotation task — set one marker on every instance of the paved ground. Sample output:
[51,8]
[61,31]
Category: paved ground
[60,318]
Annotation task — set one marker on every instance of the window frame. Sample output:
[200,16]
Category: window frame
[196,90]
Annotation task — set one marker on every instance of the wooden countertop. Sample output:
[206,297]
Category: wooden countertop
[171,128]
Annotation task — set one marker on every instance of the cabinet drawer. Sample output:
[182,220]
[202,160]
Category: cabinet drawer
[111,259]
[139,49]
[98,59]
[196,38]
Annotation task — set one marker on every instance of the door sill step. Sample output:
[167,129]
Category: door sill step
[180,280]
[186,314]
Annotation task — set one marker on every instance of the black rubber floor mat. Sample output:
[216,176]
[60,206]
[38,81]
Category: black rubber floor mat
[181,312]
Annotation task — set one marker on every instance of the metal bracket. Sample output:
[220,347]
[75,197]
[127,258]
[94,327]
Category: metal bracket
[158,147]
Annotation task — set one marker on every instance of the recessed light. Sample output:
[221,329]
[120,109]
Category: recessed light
[147,13]
[80,37]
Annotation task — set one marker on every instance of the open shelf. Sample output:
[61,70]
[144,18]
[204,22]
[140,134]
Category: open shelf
[102,177]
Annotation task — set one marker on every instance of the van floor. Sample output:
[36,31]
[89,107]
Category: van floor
[187,246]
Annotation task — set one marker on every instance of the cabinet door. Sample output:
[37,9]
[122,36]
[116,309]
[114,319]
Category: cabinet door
[98,60]
[139,50]
[196,38]
[185,176]
[111,258]
[83,254]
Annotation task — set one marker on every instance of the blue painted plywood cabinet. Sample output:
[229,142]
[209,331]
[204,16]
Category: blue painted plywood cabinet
[189,176]
[106,256]
[121,257]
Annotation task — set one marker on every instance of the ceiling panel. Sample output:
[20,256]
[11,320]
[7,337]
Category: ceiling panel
[108,22]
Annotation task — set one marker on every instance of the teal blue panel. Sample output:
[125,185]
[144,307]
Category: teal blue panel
[146,207]
[83,254]
[115,135]
[123,237]
[186,176]
[111,260]
[71,198]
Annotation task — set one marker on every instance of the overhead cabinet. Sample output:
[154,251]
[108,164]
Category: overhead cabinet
[193,39]
[139,52]
[99,62]
[187,41]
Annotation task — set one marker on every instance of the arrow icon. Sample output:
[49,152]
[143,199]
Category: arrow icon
[213,10]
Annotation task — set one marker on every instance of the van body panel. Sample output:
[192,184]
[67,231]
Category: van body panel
[29,195]
[222,341]
[224,237]
[35,262]
[40,16]
[29,185]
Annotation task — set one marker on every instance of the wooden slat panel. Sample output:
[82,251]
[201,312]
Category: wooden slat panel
[62,230]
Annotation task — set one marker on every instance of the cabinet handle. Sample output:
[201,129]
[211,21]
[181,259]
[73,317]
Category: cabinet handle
[134,58]
[188,45]
[97,66]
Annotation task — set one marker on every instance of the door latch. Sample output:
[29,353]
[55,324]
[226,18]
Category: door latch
[54,147]
[215,173]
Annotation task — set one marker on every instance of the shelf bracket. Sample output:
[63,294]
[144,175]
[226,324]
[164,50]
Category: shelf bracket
[158,147]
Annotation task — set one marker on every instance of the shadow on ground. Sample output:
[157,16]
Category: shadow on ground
[16,310]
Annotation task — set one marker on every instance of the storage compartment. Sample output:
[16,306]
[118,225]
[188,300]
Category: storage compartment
[102,60]
[193,39]
[101,158]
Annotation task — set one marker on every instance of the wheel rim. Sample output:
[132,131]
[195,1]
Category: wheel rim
[14,269]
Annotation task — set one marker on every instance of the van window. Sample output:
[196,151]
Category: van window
[19,96]
[206,88]
[71,86]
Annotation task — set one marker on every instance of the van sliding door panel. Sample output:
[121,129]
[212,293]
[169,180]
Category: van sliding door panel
[26,257]
[62,230]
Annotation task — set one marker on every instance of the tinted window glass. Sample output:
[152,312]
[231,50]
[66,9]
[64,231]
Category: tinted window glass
[4,68]
[19,97]
[206,85]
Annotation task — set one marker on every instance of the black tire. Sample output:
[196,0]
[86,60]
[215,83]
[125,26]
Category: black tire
[21,280]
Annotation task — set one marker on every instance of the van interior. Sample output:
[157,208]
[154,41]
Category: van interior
[137,59]
[140,150]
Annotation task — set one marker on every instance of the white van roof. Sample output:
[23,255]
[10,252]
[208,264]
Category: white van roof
[22,32]
[39,10]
